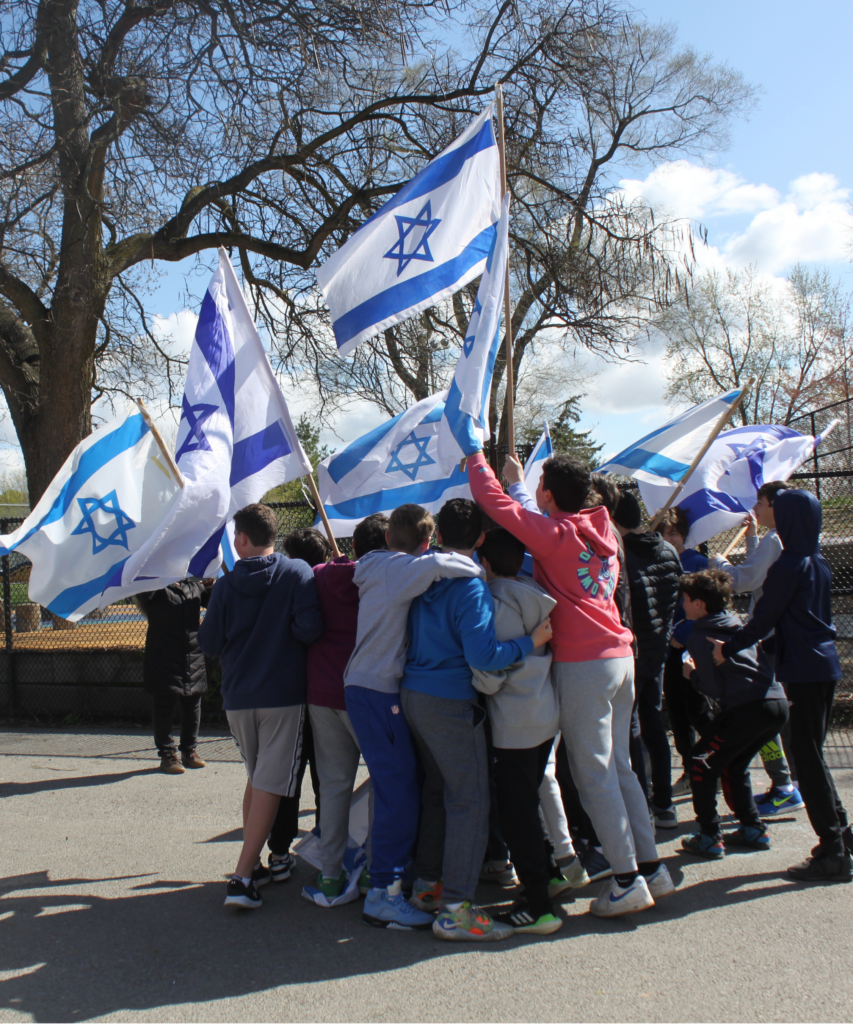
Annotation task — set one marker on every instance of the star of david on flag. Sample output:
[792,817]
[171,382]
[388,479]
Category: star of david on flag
[393,465]
[236,440]
[421,457]
[426,243]
[108,499]
[414,235]
[110,507]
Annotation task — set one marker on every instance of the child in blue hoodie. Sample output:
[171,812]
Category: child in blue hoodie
[795,605]
[260,620]
[451,632]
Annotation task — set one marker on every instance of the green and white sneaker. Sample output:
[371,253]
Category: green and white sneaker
[331,888]
[469,924]
[426,895]
[572,873]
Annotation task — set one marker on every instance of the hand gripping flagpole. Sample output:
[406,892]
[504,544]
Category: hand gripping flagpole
[158,437]
[508,339]
[722,420]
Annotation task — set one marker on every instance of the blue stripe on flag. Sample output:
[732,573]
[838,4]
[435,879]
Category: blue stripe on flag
[416,289]
[69,600]
[651,462]
[439,171]
[380,501]
[129,434]
[461,423]
[212,338]
[703,502]
[354,454]
[255,453]
[206,553]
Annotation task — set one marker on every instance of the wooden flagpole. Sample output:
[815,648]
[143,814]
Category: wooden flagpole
[718,426]
[336,551]
[158,437]
[508,338]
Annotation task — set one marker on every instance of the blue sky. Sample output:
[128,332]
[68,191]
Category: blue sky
[780,193]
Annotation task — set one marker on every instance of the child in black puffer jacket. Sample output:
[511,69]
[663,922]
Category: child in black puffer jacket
[750,710]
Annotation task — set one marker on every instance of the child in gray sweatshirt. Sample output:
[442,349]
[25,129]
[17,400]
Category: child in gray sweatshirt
[525,717]
[388,581]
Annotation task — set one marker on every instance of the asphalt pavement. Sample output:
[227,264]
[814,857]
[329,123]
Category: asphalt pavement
[112,878]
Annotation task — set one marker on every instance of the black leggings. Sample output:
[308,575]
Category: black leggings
[735,737]
[811,711]
[164,716]
[519,774]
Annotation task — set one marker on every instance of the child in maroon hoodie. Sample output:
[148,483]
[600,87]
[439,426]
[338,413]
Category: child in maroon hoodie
[335,744]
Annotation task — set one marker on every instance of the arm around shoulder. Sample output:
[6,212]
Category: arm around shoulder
[306,623]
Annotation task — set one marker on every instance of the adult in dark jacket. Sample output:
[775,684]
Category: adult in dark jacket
[752,709]
[653,569]
[173,670]
[795,605]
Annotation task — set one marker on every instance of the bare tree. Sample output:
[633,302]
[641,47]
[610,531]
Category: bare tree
[794,339]
[589,268]
[140,133]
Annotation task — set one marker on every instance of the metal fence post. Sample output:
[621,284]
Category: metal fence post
[7,625]
[816,465]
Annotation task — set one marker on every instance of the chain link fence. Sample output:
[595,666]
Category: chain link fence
[53,669]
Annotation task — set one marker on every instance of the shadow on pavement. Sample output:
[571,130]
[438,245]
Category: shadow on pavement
[79,956]
[77,781]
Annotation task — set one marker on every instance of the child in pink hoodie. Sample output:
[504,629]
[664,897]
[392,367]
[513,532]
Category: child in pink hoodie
[574,559]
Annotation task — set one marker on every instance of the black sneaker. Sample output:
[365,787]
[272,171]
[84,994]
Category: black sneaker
[242,896]
[260,876]
[281,866]
[523,918]
[824,869]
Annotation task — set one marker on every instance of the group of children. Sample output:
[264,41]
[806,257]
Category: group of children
[486,702]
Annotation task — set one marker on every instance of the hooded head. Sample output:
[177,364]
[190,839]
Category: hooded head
[798,521]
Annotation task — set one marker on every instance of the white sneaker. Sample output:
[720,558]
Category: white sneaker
[574,873]
[615,900]
[660,884]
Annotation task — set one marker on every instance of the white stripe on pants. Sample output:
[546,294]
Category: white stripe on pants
[596,700]
[551,802]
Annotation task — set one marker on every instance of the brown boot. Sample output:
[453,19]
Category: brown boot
[171,765]
[190,759]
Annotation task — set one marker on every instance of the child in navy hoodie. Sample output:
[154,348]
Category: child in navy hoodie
[451,632]
[260,619]
[795,604]
[752,709]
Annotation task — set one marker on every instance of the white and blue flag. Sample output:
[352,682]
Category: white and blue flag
[106,502]
[724,486]
[394,464]
[661,459]
[432,238]
[235,441]
[465,425]
[533,467]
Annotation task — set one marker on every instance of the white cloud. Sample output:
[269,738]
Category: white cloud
[813,222]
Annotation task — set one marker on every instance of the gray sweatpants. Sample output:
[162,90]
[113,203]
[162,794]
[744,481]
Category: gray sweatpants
[596,701]
[336,753]
[451,744]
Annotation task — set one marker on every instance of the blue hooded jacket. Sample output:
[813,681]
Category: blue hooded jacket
[795,602]
[451,632]
[260,619]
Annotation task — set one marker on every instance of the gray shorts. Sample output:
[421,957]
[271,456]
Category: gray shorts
[270,742]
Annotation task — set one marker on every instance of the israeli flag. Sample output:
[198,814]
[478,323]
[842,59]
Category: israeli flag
[235,441]
[395,464]
[427,242]
[724,486]
[533,467]
[659,460]
[106,502]
[465,425]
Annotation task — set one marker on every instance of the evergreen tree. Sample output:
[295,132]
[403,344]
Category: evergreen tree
[309,434]
[565,438]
